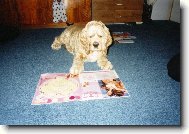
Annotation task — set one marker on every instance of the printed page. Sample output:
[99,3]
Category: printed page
[56,88]
[101,84]
[90,86]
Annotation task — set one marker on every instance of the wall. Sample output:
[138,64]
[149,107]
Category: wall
[166,10]
[175,14]
[162,10]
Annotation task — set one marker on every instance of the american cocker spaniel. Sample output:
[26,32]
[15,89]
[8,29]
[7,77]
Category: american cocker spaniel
[87,43]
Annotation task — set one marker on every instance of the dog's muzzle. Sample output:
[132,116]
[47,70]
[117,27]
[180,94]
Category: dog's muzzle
[95,44]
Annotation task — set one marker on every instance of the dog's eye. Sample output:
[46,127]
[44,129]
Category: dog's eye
[91,36]
[100,36]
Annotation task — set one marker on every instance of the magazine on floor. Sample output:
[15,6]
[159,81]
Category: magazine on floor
[89,85]
[123,37]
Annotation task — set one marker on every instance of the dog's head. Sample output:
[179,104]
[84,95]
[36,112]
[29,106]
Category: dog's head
[96,36]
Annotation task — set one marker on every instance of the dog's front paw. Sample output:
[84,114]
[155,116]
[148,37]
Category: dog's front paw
[106,66]
[55,46]
[75,70]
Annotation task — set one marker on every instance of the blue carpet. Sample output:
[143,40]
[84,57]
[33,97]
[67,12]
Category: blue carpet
[155,98]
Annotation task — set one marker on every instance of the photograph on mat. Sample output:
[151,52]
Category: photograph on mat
[112,87]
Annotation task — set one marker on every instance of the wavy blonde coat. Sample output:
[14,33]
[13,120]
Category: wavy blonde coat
[87,43]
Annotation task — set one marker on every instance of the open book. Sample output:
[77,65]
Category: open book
[58,87]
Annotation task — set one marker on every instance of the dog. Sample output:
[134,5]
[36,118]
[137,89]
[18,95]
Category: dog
[88,43]
[113,87]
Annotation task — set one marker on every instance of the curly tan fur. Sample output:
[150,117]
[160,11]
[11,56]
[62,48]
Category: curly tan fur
[86,43]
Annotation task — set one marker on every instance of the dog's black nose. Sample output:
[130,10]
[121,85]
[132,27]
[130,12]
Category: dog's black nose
[95,44]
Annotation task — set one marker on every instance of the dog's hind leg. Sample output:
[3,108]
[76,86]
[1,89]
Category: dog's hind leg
[56,45]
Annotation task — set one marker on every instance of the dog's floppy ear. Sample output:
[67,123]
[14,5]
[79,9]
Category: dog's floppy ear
[107,32]
[109,38]
[84,41]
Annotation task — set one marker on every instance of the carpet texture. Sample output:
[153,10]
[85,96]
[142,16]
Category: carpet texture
[155,98]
